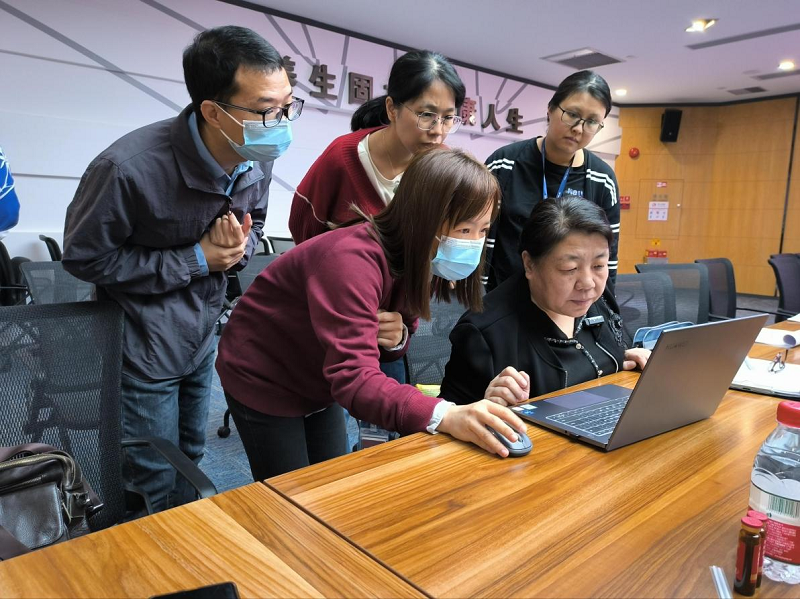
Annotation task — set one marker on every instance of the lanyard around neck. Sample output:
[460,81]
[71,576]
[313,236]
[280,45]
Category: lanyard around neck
[563,181]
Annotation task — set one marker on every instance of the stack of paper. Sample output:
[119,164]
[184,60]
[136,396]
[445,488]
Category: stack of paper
[755,376]
[778,338]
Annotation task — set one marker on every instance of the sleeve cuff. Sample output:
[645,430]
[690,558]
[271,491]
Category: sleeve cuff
[202,264]
[438,413]
[403,341]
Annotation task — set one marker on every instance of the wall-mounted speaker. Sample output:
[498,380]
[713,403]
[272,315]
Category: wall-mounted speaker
[670,124]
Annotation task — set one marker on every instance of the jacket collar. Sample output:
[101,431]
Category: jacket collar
[193,170]
[535,322]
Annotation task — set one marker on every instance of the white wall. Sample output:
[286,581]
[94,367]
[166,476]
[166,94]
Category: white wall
[78,74]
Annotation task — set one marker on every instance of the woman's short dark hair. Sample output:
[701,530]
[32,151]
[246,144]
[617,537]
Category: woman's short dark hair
[440,188]
[583,81]
[210,62]
[551,221]
[411,75]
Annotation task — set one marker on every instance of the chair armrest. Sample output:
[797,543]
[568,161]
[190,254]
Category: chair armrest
[779,313]
[186,467]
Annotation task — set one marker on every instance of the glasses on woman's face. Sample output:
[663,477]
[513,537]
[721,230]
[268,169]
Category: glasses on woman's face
[427,120]
[573,119]
[270,117]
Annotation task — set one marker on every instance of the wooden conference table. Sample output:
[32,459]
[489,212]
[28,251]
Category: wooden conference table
[251,535]
[427,515]
[567,520]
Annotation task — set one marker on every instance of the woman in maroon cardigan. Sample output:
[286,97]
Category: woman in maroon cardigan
[300,344]
[363,168]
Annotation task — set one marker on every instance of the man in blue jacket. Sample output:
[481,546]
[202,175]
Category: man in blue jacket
[9,204]
[160,216]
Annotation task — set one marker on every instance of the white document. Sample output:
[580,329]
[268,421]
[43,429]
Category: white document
[755,376]
[795,318]
[778,338]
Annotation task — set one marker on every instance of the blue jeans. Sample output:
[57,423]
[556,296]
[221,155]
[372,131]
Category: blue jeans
[175,410]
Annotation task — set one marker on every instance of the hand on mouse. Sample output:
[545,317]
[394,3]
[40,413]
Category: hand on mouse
[510,387]
[468,423]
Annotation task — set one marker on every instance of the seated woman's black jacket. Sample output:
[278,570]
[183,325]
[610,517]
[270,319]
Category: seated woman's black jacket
[511,332]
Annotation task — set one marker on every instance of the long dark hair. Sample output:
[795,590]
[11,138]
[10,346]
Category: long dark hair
[552,220]
[440,188]
[411,75]
[583,81]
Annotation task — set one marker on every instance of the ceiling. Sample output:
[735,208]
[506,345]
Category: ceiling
[512,36]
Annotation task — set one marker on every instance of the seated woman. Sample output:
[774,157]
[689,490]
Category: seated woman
[300,345]
[551,326]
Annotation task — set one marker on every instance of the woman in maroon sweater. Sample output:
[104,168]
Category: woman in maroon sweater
[300,344]
[363,168]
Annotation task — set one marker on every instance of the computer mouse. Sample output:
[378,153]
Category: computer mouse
[522,446]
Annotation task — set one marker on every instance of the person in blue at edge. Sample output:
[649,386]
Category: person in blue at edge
[156,221]
[9,203]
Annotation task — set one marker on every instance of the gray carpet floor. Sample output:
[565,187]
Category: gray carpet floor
[225,462]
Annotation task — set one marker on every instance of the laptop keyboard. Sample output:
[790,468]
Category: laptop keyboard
[598,419]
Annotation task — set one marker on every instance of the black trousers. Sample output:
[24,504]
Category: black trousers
[278,444]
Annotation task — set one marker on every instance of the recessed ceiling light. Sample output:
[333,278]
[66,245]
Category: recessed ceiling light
[700,25]
[621,92]
[786,65]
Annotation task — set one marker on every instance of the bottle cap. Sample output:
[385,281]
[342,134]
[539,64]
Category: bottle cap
[757,515]
[752,524]
[789,413]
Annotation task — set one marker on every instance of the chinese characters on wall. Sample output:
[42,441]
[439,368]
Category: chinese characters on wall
[361,87]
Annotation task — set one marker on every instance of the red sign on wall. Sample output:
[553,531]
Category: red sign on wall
[624,202]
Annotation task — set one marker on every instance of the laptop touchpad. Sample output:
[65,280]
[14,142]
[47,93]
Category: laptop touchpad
[578,399]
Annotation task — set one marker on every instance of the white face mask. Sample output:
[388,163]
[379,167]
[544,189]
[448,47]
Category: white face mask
[456,259]
[262,144]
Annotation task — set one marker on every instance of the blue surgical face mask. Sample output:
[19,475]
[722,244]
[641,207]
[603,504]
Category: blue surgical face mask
[262,144]
[456,259]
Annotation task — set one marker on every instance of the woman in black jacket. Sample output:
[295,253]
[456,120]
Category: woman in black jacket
[551,326]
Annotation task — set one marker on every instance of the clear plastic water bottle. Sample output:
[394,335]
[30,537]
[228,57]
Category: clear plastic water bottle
[775,491]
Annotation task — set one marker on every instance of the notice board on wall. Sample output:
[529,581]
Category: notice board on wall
[661,201]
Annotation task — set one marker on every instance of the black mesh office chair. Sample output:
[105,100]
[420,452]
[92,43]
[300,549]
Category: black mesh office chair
[787,277]
[60,368]
[245,277]
[722,289]
[277,245]
[690,282]
[52,247]
[645,300]
[49,283]
[255,265]
[430,347]
[12,288]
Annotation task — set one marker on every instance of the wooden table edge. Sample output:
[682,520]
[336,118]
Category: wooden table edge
[347,539]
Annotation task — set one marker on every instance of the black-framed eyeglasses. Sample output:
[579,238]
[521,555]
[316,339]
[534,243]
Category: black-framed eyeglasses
[427,120]
[272,116]
[573,119]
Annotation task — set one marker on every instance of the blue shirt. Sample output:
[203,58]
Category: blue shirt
[9,204]
[225,180]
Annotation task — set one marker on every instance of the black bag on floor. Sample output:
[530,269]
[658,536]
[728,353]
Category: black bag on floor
[44,498]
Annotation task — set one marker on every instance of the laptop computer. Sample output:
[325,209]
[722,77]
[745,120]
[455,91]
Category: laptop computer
[684,381]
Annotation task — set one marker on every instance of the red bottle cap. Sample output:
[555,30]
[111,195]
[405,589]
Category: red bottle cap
[752,523]
[789,413]
[757,515]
